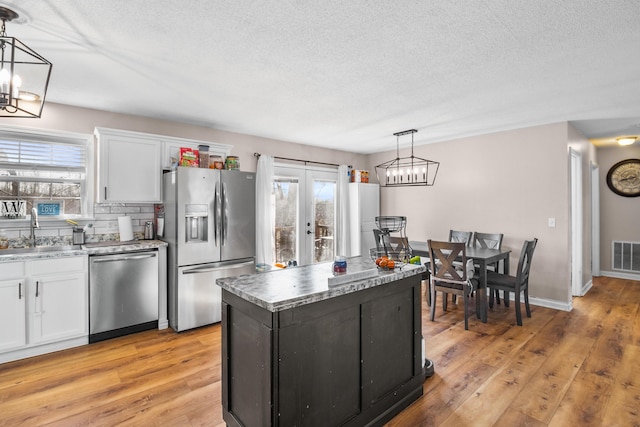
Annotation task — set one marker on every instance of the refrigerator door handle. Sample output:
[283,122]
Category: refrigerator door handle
[225,202]
[217,212]
[210,269]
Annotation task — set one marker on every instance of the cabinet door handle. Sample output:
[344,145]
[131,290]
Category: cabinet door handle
[20,290]
[105,193]
[37,287]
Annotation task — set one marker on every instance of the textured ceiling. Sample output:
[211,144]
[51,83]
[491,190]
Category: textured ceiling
[345,74]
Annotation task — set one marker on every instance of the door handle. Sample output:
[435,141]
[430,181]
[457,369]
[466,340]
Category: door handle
[224,267]
[123,258]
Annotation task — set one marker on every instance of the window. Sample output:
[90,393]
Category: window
[45,168]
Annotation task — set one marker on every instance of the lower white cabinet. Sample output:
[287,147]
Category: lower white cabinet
[45,309]
[13,333]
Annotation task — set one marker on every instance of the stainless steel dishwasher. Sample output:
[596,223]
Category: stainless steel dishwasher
[123,294]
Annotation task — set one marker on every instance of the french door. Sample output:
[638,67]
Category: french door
[305,212]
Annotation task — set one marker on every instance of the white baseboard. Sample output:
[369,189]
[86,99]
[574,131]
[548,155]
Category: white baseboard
[620,275]
[549,303]
[38,350]
[543,302]
[585,289]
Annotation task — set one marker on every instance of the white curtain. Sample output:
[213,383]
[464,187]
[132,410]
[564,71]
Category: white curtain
[343,228]
[265,222]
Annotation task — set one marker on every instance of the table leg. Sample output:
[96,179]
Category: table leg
[481,300]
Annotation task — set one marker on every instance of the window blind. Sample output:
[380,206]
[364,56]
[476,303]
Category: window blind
[42,155]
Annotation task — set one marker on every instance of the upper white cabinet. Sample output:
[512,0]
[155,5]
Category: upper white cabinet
[129,167]
[130,164]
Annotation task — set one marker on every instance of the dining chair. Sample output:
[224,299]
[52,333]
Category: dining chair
[393,244]
[461,236]
[378,236]
[449,278]
[516,284]
[489,241]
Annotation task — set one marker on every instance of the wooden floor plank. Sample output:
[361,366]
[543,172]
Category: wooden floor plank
[624,403]
[548,386]
[558,369]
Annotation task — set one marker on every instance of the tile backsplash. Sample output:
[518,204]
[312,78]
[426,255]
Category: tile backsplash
[104,226]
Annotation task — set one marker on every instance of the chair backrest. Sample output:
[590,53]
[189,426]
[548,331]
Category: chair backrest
[488,240]
[378,236]
[443,255]
[461,236]
[396,247]
[524,264]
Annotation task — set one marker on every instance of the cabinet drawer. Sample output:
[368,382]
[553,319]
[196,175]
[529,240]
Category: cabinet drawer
[11,270]
[59,265]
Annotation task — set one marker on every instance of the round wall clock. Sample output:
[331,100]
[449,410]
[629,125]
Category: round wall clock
[624,178]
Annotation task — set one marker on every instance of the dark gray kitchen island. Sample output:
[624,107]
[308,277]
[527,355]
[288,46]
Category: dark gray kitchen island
[297,351]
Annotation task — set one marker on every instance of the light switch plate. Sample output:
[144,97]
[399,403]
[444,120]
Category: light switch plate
[552,222]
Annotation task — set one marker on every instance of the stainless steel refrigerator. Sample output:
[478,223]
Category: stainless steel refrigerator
[209,224]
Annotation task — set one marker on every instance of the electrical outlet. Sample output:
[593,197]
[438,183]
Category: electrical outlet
[552,223]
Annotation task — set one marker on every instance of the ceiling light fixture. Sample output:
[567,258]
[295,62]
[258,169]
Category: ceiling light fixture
[626,140]
[24,75]
[407,171]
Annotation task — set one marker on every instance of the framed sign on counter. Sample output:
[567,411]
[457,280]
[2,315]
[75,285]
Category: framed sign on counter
[50,207]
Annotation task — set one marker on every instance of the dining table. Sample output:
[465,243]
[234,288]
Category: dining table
[481,257]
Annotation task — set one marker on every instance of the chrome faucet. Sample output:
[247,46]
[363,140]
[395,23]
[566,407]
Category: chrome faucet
[32,226]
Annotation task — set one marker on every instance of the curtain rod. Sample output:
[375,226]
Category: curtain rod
[298,160]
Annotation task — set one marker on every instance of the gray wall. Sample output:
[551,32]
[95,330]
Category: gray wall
[619,216]
[509,182]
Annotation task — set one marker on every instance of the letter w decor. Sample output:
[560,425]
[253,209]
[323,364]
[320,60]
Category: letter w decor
[13,208]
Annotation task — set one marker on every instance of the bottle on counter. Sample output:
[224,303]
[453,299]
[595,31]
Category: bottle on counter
[340,265]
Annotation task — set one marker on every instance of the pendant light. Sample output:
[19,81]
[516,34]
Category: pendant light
[24,74]
[407,171]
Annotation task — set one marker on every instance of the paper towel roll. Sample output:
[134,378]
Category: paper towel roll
[126,230]
[160,230]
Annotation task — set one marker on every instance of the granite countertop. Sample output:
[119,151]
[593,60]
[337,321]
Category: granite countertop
[291,287]
[114,246]
[44,252]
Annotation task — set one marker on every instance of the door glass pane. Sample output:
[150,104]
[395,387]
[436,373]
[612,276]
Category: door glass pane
[286,219]
[324,208]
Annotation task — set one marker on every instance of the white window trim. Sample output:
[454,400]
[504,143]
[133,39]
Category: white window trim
[22,133]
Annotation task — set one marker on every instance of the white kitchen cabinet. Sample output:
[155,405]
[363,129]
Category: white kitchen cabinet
[364,204]
[57,300]
[12,306]
[130,163]
[43,306]
[129,167]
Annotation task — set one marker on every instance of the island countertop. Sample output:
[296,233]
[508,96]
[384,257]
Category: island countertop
[279,290]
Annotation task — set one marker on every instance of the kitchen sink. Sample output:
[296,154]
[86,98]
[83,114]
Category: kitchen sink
[39,249]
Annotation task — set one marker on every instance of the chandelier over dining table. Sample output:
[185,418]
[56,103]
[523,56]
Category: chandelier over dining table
[407,171]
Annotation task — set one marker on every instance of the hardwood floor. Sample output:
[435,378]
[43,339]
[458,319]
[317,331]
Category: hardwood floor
[559,369]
